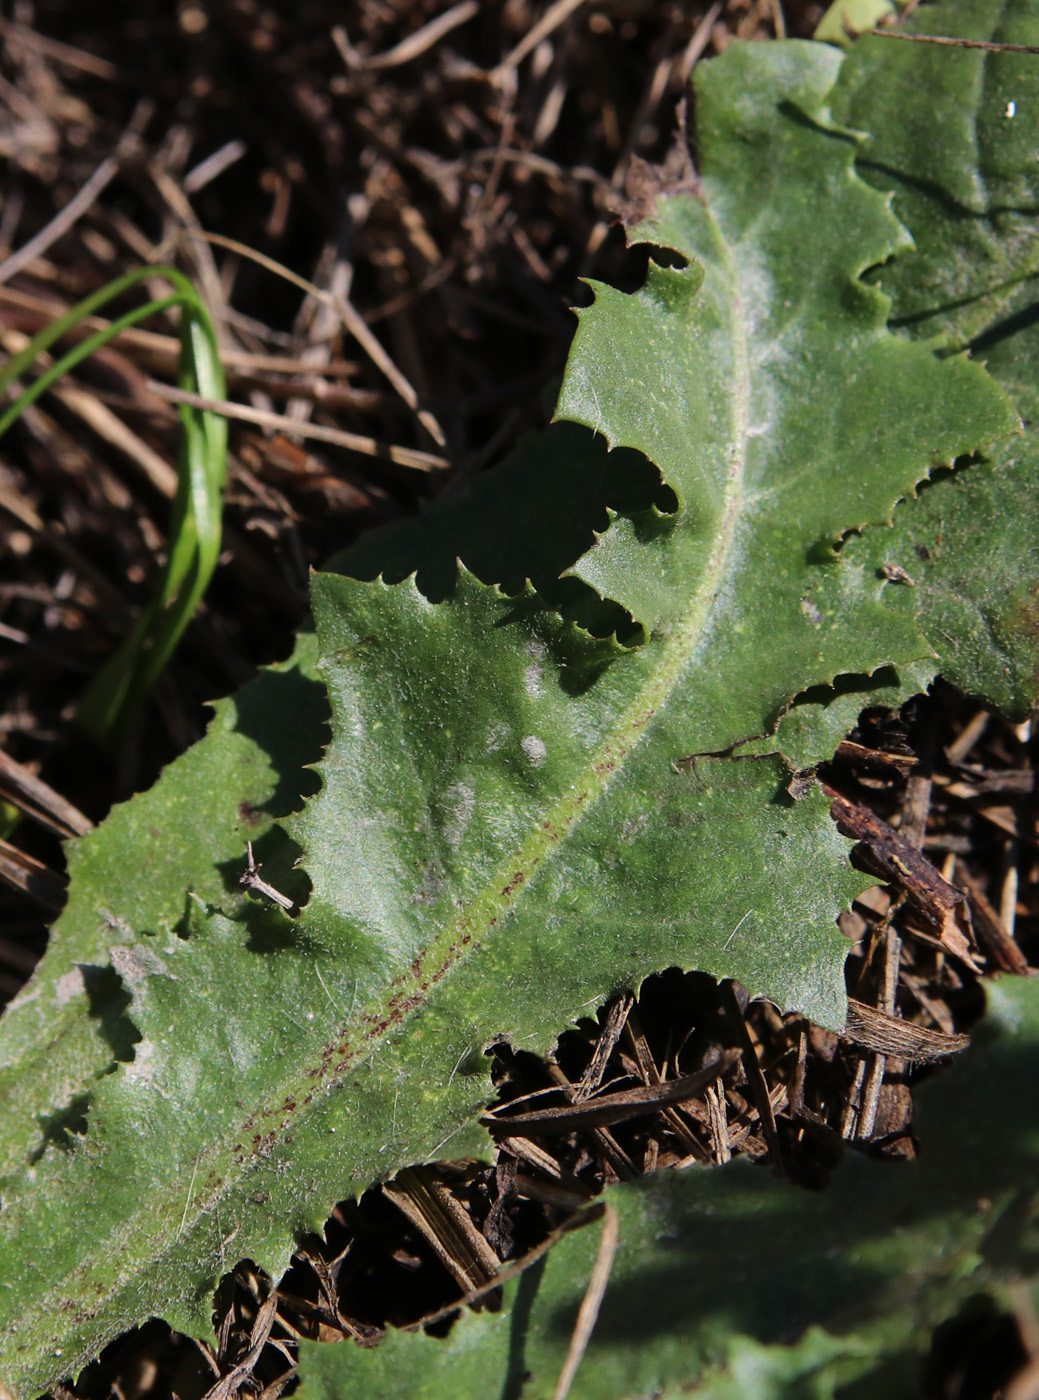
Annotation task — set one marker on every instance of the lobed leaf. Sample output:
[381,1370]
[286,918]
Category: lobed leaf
[136,875]
[511,824]
[953,134]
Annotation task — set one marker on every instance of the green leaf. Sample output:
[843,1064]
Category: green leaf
[136,875]
[740,1284]
[510,825]
[953,134]
[846,18]
[530,518]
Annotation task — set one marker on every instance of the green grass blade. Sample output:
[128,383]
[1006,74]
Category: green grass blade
[40,343]
[77,314]
[195,527]
[195,537]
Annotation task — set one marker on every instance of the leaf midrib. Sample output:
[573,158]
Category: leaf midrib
[485,910]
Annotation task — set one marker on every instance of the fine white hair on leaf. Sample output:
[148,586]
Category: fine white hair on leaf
[532,682]
[459,803]
[497,734]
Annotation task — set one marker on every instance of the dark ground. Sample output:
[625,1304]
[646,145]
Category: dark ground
[455,195]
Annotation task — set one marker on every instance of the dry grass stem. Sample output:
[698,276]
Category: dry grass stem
[355,442]
[588,1312]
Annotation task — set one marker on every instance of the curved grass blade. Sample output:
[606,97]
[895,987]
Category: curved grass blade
[195,526]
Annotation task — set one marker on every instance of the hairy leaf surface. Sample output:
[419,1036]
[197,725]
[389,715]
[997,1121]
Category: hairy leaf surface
[736,1283]
[510,823]
[136,875]
[953,134]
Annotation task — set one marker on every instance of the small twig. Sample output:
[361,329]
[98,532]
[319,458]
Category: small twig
[853,1103]
[355,442]
[550,20]
[547,1193]
[608,1145]
[109,426]
[881,760]
[694,50]
[250,880]
[968,736]
[208,275]
[163,350]
[200,175]
[38,800]
[102,420]
[993,937]
[23,872]
[604,1047]
[351,319]
[884,853]
[719,1124]
[752,1069]
[611,1108]
[1020,781]
[916,801]
[79,203]
[411,47]
[1008,893]
[428,1204]
[274,1390]
[207,1354]
[915,809]
[878,1065]
[62,221]
[318,321]
[525,1150]
[797,1092]
[62,53]
[885,1034]
[650,1075]
[510,1271]
[230,1384]
[588,1312]
[989,45]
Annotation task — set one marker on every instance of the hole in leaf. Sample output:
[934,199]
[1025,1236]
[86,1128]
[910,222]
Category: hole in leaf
[974,1354]
[532,517]
[109,1000]
[261,709]
[61,1128]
